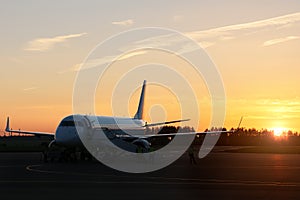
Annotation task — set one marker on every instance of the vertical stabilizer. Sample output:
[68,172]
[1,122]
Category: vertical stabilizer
[139,112]
[7,129]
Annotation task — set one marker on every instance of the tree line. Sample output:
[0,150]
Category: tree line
[236,136]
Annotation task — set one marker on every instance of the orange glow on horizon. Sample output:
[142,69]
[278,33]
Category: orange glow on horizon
[279,131]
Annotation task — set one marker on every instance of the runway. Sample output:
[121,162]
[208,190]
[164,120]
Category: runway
[217,176]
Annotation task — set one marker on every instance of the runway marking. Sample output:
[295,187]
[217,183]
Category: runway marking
[9,166]
[181,181]
[29,168]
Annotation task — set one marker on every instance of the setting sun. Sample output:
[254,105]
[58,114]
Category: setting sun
[278,131]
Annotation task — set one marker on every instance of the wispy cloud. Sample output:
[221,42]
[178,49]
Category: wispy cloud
[279,40]
[205,38]
[89,64]
[74,68]
[44,44]
[100,61]
[228,32]
[127,22]
[132,54]
[209,37]
[29,89]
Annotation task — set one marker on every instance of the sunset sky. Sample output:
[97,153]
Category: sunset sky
[255,44]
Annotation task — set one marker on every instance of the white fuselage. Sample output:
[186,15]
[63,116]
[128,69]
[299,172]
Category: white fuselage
[72,129]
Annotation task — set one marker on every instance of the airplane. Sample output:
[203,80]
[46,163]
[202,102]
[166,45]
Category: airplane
[73,128]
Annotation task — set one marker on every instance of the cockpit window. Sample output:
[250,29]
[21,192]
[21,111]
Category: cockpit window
[71,123]
[67,123]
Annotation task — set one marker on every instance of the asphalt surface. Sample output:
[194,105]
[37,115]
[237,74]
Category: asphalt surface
[217,176]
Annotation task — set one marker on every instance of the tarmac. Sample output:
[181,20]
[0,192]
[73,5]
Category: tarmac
[218,176]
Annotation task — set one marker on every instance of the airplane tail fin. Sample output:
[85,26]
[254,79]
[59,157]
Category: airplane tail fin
[7,129]
[139,112]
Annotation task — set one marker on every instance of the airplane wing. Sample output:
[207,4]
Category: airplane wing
[9,130]
[132,137]
[186,133]
[148,140]
[150,136]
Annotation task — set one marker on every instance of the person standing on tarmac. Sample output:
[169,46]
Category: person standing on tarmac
[192,155]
